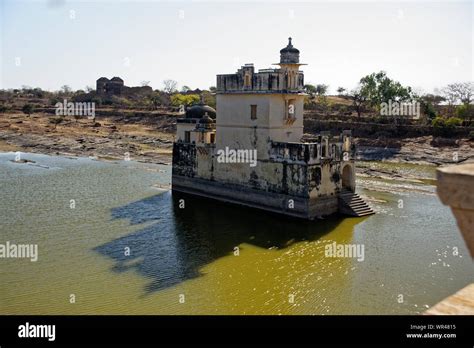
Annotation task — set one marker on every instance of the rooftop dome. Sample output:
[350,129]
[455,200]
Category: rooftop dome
[199,110]
[289,54]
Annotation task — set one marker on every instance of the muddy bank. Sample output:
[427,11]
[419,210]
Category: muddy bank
[108,138]
[420,150]
[150,140]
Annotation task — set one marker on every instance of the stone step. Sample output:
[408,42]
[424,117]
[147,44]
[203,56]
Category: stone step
[357,206]
[366,213]
[362,210]
[354,200]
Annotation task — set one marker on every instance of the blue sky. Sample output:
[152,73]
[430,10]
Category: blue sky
[51,43]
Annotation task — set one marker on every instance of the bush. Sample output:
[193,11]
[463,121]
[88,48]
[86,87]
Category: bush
[56,121]
[120,101]
[186,100]
[3,108]
[96,100]
[465,111]
[471,135]
[28,109]
[445,127]
[428,110]
[453,122]
[54,101]
[438,122]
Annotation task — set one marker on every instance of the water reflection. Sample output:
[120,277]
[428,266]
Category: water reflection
[176,243]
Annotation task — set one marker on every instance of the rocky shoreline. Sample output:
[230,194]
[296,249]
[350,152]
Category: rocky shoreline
[104,138]
[151,142]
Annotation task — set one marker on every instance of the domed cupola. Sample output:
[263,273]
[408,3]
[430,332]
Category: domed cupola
[205,123]
[199,110]
[289,54]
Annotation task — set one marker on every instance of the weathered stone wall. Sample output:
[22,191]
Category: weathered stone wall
[269,80]
[184,159]
[363,129]
[206,161]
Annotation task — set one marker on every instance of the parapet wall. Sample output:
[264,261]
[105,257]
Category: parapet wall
[366,129]
[294,171]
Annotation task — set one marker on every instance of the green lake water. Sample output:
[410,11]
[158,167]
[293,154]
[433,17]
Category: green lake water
[210,258]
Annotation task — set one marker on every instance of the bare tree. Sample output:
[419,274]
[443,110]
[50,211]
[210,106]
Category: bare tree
[145,83]
[359,100]
[451,96]
[170,86]
[461,91]
[464,91]
[66,89]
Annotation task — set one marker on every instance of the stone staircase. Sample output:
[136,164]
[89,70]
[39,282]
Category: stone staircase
[351,204]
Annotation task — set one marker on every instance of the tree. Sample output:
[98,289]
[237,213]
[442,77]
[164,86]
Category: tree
[310,89]
[66,89]
[185,89]
[170,86]
[341,90]
[433,99]
[463,92]
[359,100]
[89,89]
[145,83]
[428,102]
[213,89]
[38,92]
[28,109]
[321,89]
[155,100]
[451,96]
[378,88]
[209,99]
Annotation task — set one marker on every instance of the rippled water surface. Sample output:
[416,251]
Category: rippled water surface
[209,258]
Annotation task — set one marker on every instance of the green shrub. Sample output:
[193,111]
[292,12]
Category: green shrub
[186,100]
[96,100]
[54,101]
[453,122]
[471,135]
[465,111]
[428,110]
[28,109]
[438,122]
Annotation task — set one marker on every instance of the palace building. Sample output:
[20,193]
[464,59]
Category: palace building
[250,151]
